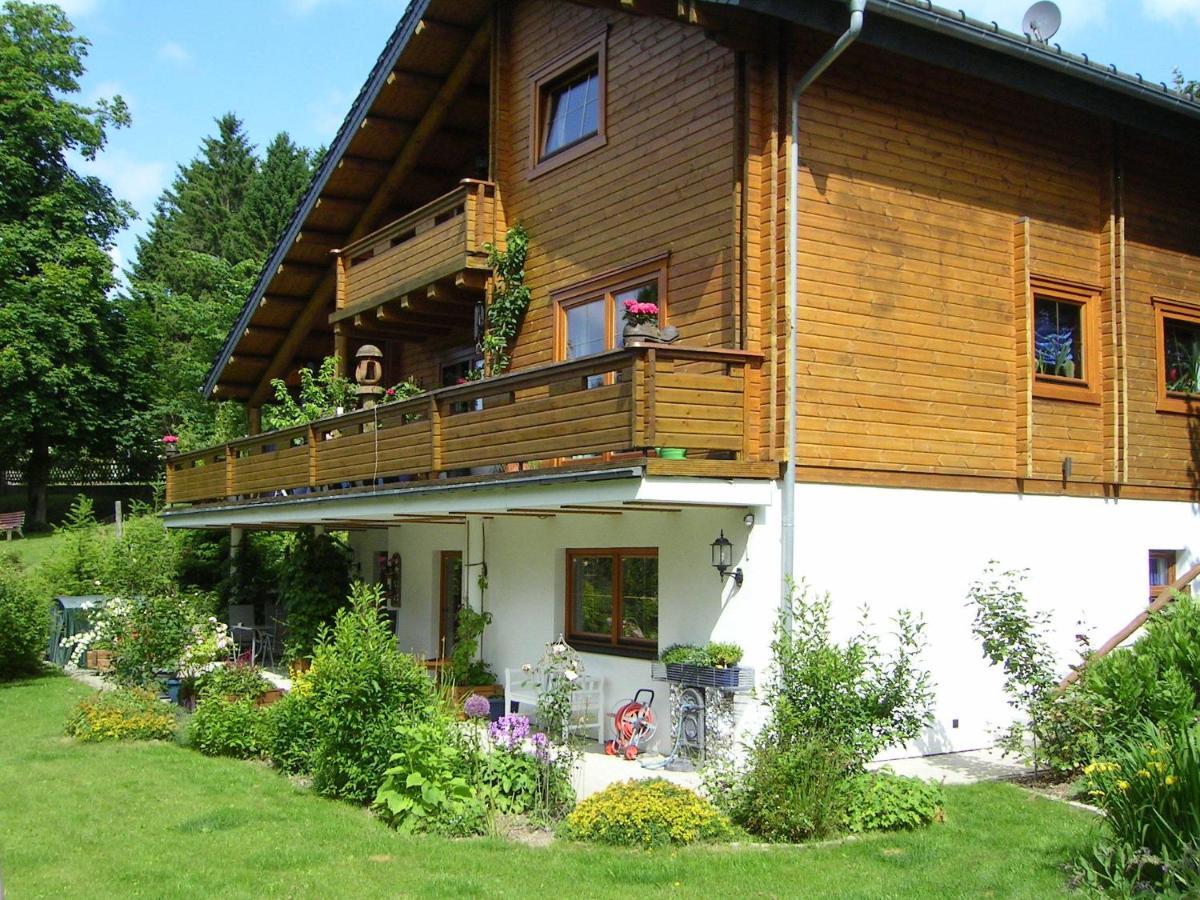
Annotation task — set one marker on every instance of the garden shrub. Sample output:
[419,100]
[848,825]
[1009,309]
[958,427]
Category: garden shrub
[80,560]
[292,729]
[1149,839]
[145,561]
[424,789]
[791,792]
[1057,730]
[24,621]
[833,707]
[150,635]
[223,727]
[124,714]
[233,681]
[885,801]
[646,813]
[520,772]
[1156,679]
[314,581]
[364,691]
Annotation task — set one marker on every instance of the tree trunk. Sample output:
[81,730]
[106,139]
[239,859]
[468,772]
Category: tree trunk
[37,477]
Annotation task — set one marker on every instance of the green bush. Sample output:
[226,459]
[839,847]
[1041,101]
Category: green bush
[1156,679]
[222,727]
[791,793]
[1149,839]
[850,696]
[684,655]
[232,680]
[646,813]
[364,692]
[79,563]
[24,621]
[145,561]
[314,580]
[424,788]
[292,730]
[884,801]
[125,714]
[148,635]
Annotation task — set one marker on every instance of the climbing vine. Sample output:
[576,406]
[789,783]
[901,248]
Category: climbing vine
[510,299]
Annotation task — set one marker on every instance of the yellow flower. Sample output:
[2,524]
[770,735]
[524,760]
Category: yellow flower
[1123,785]
[1145,773]
[1170,780]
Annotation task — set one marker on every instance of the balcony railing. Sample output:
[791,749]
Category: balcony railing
[625,401]
[441,239]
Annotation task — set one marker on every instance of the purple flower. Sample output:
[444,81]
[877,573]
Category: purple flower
[508,731]
[476,706]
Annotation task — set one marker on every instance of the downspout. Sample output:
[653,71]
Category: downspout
[857,8]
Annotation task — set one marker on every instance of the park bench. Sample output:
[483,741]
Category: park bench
[12,521]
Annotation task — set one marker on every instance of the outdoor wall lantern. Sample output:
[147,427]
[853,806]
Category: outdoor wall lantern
[722,559]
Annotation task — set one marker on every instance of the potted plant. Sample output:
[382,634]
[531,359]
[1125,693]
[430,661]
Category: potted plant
[724,658]
[641,317]
[467,673]
[170,444]
[682,659]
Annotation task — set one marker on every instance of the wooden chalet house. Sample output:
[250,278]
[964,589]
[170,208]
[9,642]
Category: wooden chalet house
[938,302]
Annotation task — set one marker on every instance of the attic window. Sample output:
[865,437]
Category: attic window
[568,105]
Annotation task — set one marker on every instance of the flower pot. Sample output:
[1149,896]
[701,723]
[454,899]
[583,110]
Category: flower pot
[671,452]
[726,677]
[173,690]
[104,660]
[646,331]
[269,697]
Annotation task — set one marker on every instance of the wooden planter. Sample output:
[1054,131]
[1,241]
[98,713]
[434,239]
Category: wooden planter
[99,660]
[483,690]
[269,697]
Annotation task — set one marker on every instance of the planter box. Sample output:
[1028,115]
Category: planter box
[730,678]
[269,697]
[100,660]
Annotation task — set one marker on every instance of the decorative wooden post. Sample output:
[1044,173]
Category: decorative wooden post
[368,373]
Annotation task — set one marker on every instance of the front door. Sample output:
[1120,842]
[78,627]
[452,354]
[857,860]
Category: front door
[450,593]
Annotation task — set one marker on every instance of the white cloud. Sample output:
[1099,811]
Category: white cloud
[138,181]
[1008,13]
[75,8]
[302,7]
[1173,10]
[174,52]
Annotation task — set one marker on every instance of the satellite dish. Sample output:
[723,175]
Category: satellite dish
[1042,21]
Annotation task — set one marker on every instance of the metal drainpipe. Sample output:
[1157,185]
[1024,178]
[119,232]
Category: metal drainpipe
[857,8]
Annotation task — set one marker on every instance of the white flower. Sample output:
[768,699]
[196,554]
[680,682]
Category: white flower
[527,668]
[560,648]
[570,675]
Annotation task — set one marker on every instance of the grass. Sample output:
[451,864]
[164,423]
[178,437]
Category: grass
[160,820]
[33,549]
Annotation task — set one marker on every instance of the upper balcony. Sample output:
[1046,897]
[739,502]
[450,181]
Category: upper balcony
[442,242]
[612,408]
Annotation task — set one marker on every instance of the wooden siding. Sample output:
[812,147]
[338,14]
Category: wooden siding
[661,183]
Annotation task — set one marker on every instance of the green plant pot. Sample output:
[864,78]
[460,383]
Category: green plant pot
[671,452]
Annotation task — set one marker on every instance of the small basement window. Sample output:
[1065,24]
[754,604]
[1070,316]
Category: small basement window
[568,103]
[612,600]
[1064,328]
[1178,329]
[1162,571]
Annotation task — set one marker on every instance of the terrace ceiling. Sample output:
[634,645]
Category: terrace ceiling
[418,126]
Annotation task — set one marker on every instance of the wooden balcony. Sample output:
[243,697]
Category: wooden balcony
[577,413]
[442,241]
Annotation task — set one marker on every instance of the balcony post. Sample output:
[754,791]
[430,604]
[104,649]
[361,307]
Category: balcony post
[435,435]
[170,476]
[312,457]
[229,463]
[651,424]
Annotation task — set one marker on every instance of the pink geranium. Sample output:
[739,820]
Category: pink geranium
[170,439]
[639,313]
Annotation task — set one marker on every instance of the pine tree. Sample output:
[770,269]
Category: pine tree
[272,196]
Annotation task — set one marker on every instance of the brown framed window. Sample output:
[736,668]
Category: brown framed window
[590,315]
[612,599]
[1177,327]
[569,96]
[1162,571]
[1065,341]
[450,598]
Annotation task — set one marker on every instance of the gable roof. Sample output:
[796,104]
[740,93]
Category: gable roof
[914,28]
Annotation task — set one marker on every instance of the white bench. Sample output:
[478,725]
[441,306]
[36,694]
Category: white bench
[587,700]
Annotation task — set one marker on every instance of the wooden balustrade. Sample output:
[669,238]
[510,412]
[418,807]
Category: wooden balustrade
[438,240]
[623,401]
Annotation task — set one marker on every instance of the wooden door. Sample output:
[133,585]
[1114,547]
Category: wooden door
[450,598]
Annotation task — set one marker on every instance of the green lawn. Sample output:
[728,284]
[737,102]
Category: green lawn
[159,820]
[34,549]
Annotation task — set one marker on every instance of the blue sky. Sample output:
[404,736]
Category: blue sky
[296,65]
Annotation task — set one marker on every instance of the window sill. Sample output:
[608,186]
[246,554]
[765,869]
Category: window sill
[567,154]
[1047,387]
[1179,404]
[629,652]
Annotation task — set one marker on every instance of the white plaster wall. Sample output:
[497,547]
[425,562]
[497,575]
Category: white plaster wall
[1087,562]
